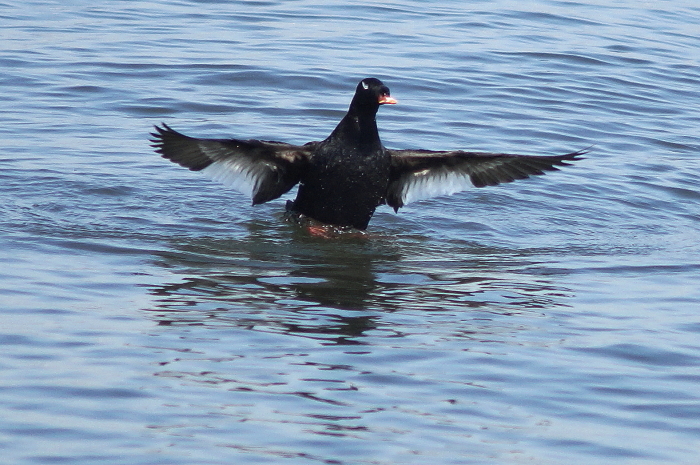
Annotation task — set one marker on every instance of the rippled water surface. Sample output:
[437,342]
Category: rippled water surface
[149,316]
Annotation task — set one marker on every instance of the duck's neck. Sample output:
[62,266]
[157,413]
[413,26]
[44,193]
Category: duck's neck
[363,125]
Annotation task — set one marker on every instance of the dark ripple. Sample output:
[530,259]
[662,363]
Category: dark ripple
[645,355]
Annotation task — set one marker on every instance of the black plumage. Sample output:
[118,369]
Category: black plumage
[343,178]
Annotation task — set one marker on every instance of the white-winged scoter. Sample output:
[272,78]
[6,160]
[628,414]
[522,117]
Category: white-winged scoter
[343,178]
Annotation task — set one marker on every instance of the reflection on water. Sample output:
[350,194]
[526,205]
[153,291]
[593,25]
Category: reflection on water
[282,279]
[426,331]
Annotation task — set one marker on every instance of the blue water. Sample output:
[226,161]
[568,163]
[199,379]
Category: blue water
[149,316]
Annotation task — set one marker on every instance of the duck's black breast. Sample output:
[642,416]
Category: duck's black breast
[346,180]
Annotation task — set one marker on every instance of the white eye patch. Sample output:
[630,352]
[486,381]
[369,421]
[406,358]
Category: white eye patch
[365,86]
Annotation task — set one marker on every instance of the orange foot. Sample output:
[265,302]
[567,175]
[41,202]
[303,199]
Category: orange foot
[327,231]
[322,231]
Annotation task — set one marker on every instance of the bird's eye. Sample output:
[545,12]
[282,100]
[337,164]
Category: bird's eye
[365,86]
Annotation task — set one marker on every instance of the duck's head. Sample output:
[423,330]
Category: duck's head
[371,93]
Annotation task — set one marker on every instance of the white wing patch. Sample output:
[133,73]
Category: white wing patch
[240,174]
[432,183]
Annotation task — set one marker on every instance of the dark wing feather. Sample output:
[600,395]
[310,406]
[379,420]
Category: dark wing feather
[421,174]
[263,170]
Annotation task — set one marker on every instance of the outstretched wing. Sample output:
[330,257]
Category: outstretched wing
[264,170]
[421,174]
